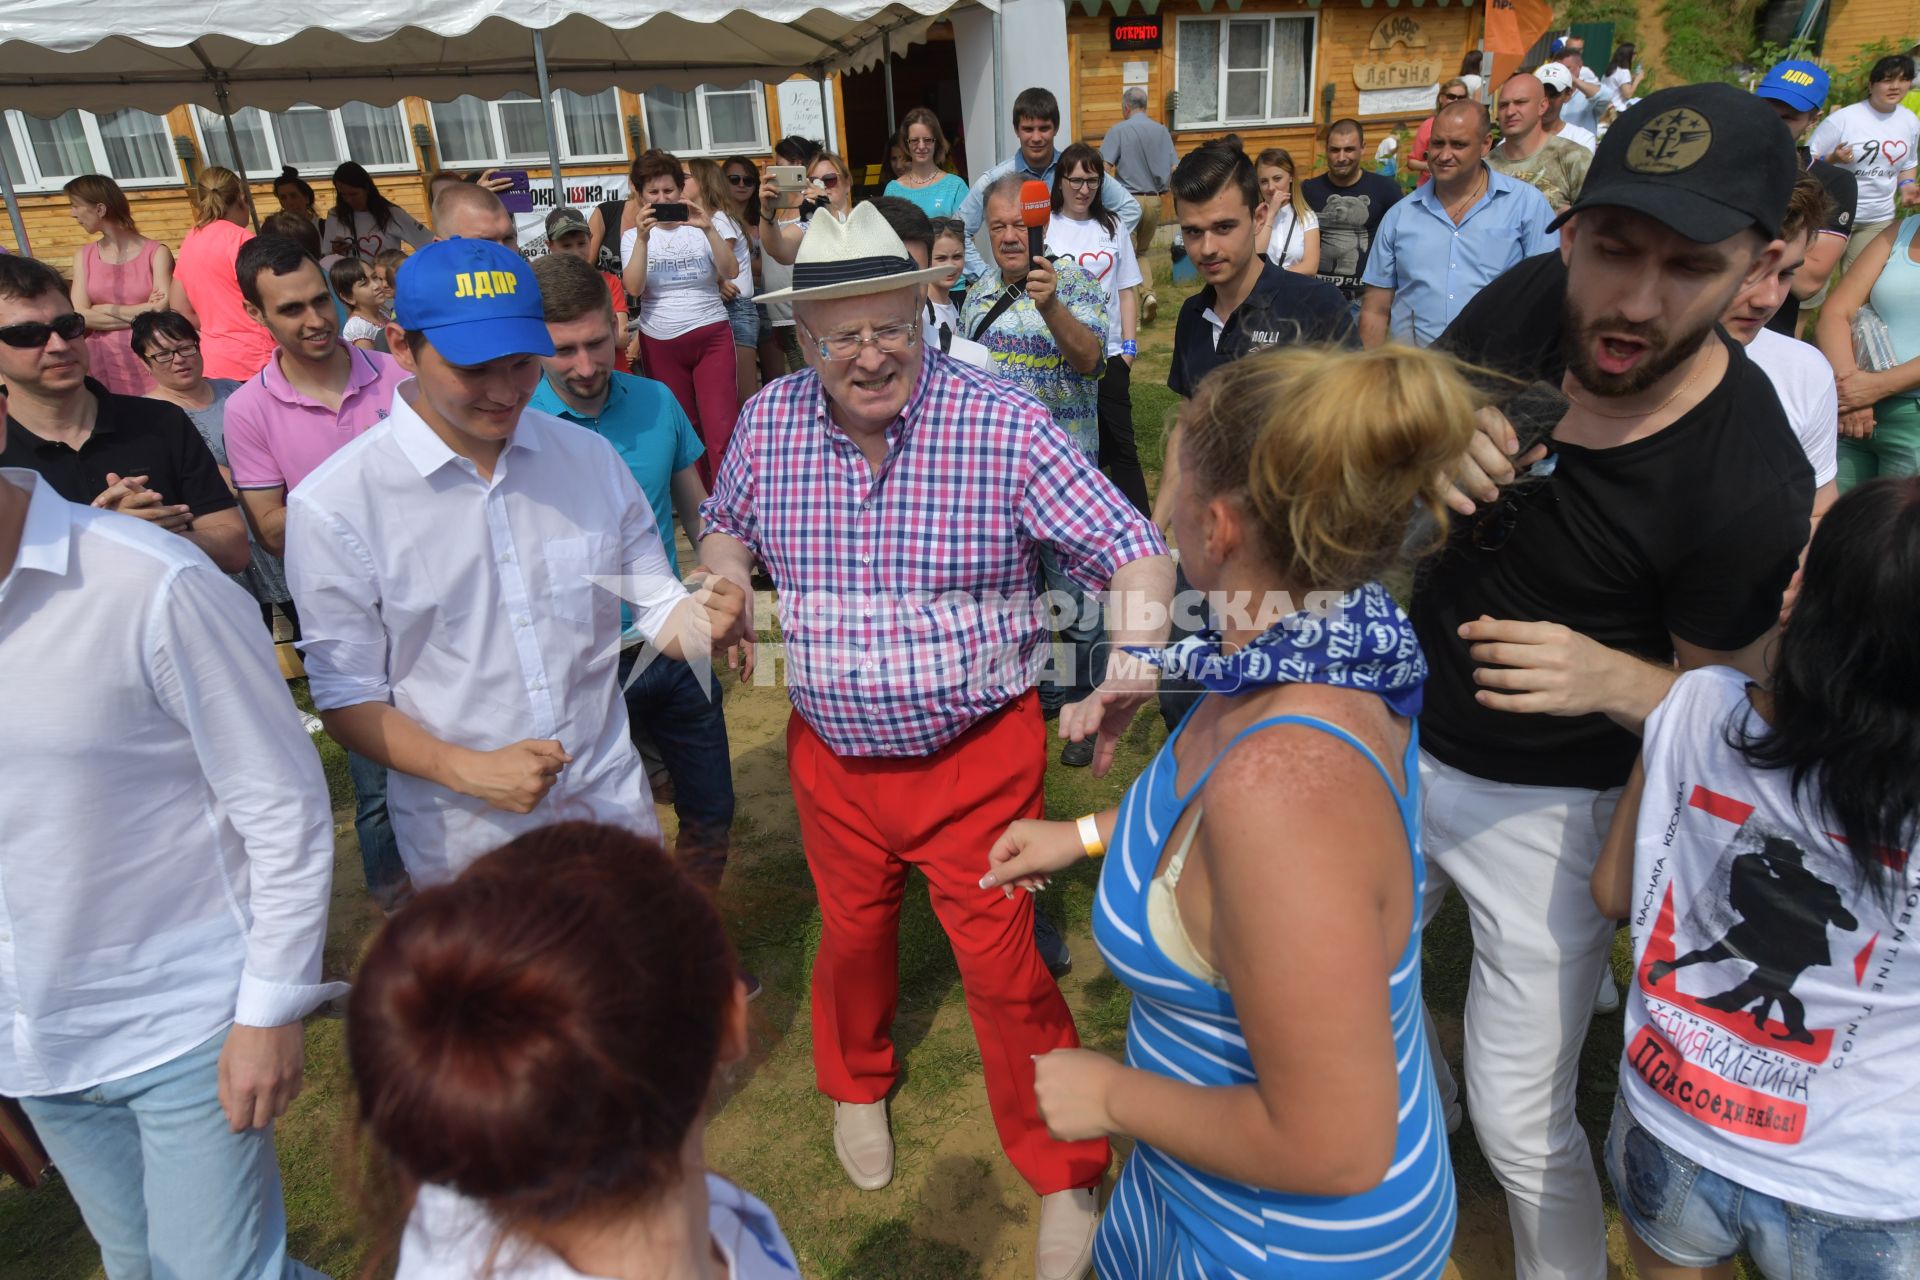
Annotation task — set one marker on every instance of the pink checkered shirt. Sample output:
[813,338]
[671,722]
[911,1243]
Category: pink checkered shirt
[909,600]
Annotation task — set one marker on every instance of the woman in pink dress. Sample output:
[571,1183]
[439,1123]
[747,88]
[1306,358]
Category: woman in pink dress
[205,289]
[115,278]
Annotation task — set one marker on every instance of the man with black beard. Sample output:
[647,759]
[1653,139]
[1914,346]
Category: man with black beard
[1659,519]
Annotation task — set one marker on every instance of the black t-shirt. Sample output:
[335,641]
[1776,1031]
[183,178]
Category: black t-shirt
[1349,217]
[1691,532]
[132,436]
[1283,307]
[1843,189]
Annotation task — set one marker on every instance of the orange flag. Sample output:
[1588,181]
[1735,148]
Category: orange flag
[1514,25]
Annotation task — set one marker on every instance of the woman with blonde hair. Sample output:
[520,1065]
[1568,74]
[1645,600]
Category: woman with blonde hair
[708,188]
[1262,893]
[829,187]
[926,181]
[1288,233]
[205,289]
[115,278]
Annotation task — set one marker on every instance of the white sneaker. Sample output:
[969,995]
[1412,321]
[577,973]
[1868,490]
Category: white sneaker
[1068,1220]
[864,1142]
[1606,997]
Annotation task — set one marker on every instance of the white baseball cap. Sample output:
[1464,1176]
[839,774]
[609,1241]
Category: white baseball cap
[1555,76]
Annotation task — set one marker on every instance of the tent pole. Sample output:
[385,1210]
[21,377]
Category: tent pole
[826,113]
[886,62]
[546,116]
[233,145]
[13,213]
[999,89]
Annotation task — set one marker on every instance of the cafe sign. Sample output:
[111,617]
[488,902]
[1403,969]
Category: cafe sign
[1397,28]
[1407,74]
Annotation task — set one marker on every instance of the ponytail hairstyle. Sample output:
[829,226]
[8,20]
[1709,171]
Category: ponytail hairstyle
[540,1035]
[1846,682]
[290,177]
[1081,156]
[215,191]
[353,174]
[1330,493]
[98,188]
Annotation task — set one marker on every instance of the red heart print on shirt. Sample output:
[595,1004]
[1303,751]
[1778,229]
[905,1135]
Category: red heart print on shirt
[1097,264]
[371,244]
[1894,152]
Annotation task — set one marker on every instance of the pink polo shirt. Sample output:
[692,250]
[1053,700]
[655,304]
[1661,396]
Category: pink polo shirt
[276,436]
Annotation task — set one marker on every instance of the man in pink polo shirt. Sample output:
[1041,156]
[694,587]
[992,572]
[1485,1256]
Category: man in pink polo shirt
[315,394]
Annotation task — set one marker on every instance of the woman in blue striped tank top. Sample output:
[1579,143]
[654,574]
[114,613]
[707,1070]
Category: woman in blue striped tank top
[1261,895]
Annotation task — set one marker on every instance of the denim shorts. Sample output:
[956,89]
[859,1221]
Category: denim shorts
[744,315]
[1693,1217]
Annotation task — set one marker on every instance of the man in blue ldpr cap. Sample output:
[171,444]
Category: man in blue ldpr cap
[459,570]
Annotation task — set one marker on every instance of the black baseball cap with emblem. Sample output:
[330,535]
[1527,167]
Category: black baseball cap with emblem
[1705,160]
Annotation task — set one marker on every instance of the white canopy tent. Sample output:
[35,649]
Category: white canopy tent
[226,54]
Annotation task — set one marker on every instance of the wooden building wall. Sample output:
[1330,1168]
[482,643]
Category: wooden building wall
[1855,24]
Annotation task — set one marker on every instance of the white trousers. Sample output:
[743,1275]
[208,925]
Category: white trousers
[1521,858]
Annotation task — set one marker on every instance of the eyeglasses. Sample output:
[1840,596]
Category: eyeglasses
[34,333]
[891,340]
[1084,184]
[1453,97]
[919,142]
[172,355]
[740,180]
[828,180]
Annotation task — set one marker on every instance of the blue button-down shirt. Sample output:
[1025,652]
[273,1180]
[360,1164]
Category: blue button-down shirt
[974,211]
[1435,267]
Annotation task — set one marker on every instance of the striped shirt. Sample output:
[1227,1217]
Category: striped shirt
[1168,1218]
[909,604]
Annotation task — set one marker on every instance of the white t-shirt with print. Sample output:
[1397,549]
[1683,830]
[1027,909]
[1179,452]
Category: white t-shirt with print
[736,237]
[1105,255]
[1803,380]
[1287,242]
[449,1237]
[1884,147]
[370,239]
[1780,1054]
[682,294]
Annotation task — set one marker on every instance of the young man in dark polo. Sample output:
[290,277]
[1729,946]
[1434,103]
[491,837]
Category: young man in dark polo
[128,454]
[1248,305]
[1656,527]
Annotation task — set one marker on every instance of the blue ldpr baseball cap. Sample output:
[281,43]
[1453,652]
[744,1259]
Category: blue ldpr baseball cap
[1801,85]
[474,299]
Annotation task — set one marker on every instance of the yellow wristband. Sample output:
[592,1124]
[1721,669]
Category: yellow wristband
[1090,836]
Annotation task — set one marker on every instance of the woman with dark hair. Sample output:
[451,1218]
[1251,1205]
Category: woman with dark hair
[114,279]
[926,181]
[364,223]
[1088,232]
[296,197]
[1876,139]
[168,344]
[743,188]
[1761,853]
[533,1047]
[1623,78]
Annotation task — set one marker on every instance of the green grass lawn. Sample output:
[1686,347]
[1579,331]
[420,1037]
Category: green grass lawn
[955,1209]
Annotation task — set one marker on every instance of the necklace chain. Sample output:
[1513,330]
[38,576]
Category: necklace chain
[1655,412]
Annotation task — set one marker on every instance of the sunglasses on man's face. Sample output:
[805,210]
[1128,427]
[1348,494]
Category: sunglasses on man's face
[34,333]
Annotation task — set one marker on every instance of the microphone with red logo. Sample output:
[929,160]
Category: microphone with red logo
[1036,207]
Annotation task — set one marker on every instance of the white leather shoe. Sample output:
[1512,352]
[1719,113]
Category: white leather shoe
[864,1143]
[1068,1220]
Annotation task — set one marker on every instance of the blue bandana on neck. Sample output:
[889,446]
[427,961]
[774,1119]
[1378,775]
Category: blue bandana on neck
[1365,642]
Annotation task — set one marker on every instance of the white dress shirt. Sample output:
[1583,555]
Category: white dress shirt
[471,607]
[166,841]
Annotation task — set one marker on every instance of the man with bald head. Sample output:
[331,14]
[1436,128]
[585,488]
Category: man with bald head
[1552,166]
[1442,244]
[465,210]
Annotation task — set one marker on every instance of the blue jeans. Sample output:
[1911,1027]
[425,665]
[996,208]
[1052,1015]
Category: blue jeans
[168,1192]
[379,852]
[1083,634]
[666,703]
[1693,1217]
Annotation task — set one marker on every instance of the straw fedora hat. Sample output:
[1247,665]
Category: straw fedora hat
[847,259]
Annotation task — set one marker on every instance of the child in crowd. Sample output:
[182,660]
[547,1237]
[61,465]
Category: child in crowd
[949,251]
[357,284]
[534,1044]
[386,267]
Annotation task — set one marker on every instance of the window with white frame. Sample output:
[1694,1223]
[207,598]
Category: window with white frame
[472,132]
[131,147]
[312,140]
[707,120]
[1244,70]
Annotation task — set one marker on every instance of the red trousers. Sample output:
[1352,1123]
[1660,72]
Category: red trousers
[864,822]
[698,367]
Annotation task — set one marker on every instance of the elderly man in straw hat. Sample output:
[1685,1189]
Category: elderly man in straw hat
[900,500]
